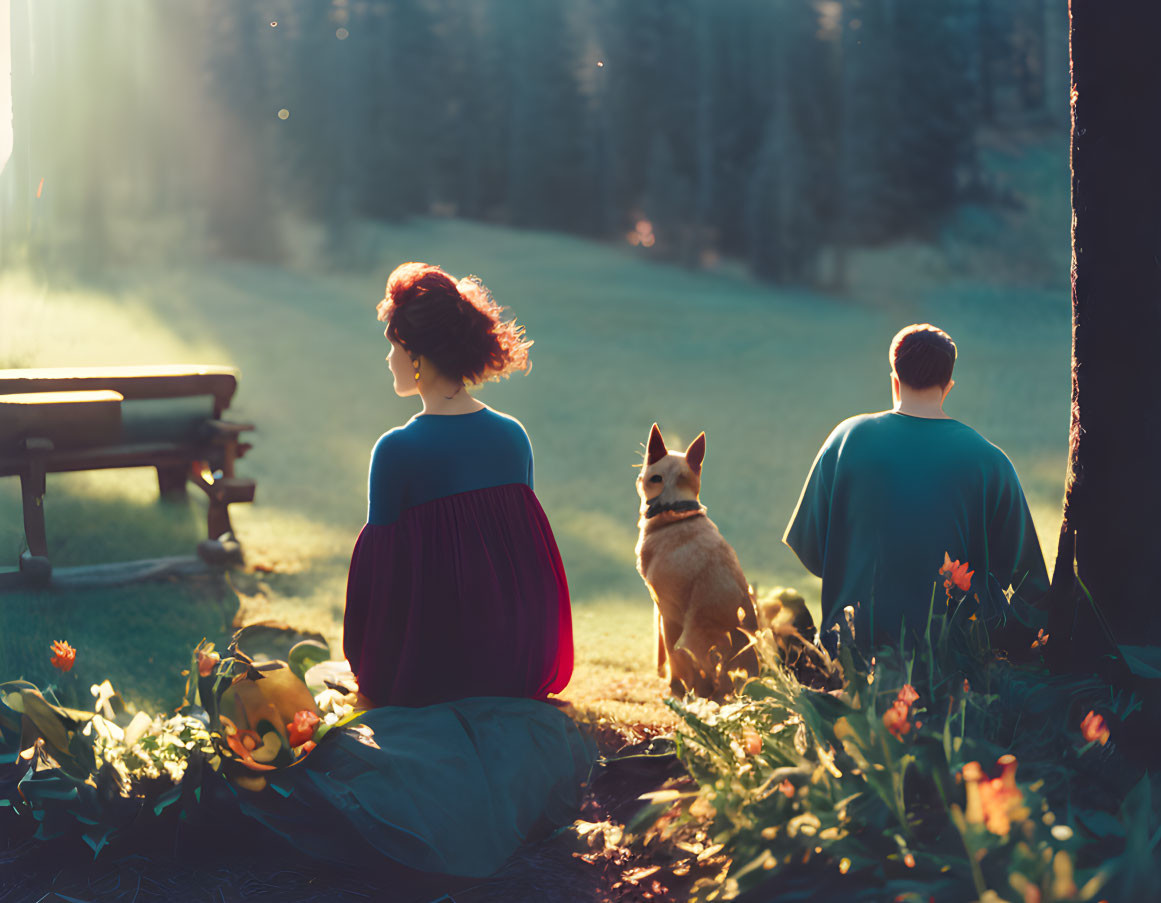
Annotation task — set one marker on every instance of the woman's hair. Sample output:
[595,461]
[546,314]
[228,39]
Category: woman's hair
[456,325]
[922,356]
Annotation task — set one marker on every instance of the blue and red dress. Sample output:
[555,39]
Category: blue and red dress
[456,588]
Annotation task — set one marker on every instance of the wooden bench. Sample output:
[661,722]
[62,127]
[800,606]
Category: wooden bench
[91,418]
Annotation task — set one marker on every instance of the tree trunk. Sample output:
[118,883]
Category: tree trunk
[1112,527]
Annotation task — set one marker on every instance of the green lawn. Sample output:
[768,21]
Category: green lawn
[620,342]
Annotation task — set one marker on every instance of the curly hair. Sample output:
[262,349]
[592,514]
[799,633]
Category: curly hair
[456,325]
[922,355]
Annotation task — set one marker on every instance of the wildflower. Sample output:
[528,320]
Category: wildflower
[63,655]
[787,788]
[302,727]
[207,662]
[1093,728]
[972,774]
[1041,639]
[996,802]
[895,718]
[957,575]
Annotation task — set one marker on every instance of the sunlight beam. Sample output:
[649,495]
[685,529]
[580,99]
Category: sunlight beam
[5,83]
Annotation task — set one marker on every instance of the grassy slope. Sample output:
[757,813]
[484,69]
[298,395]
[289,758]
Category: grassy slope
[620,342]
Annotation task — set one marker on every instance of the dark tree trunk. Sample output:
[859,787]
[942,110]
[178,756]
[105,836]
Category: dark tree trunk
[1112,510]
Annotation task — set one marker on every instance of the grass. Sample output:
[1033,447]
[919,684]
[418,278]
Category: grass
[620,342]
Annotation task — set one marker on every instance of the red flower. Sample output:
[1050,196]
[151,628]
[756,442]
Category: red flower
[958,575]
[895,718]
[302,727]
[207,662]
[1093,727]
[63,655]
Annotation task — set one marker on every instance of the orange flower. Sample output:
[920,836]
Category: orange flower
[243,743]
[958,575]
[63,655]
[787,788]
[997,802]
[207,662]
[1041,639]
[1093,727]
[895,718]
[302,727]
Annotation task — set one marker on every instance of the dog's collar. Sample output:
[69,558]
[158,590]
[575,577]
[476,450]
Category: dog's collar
[688,508]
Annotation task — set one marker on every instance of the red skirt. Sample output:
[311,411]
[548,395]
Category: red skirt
[461,596]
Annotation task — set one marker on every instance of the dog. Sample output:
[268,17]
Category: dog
[706,618]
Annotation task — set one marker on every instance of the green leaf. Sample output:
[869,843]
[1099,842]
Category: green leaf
[1099,824]
[1144,661]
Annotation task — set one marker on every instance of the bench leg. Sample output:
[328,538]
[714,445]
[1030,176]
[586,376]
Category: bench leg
[32,488]
[171,480]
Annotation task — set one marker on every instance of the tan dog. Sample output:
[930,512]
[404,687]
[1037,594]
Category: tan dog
[693,575]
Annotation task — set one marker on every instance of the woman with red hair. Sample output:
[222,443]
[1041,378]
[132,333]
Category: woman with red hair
[457,625]
[456,588]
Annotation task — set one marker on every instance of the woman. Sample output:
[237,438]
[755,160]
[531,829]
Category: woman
[456,588]
[457,623]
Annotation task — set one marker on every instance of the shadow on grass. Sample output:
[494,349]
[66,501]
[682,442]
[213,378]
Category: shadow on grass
[137,636]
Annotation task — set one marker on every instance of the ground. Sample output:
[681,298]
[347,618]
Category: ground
[621,342]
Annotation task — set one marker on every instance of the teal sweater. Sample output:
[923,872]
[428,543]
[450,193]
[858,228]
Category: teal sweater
[887,496]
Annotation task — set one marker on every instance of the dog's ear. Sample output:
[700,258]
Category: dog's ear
[695,454]
[656,449]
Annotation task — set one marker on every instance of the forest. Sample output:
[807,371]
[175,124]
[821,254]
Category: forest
[779,133]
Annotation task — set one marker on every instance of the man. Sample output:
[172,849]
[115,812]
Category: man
[890,493]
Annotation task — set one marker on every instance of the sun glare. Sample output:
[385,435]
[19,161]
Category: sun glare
[5,84]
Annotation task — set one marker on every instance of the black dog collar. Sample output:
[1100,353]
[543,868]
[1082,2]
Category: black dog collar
[655,509]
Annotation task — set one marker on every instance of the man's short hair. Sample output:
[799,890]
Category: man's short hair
[922,356]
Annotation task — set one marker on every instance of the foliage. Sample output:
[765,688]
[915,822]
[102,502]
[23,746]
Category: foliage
[96,772]
[787,127]
[890,779]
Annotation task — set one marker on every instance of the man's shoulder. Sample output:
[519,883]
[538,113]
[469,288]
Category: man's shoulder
[855,426]
[971,437]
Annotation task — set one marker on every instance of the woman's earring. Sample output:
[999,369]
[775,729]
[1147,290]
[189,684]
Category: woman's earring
[416,363]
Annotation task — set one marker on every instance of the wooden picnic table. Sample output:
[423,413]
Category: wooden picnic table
[91,418]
